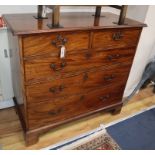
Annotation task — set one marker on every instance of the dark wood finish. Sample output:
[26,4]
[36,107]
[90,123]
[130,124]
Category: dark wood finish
[91,77]
[116,38]
[35,133]
[122,15]
[76,84]
[40,10]
[40,67]
[59,109]
[70,22]
[50,43]
[56,16]
[98,11]
[31,138]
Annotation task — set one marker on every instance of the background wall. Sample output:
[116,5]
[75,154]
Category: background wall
[146,48]
[4,9]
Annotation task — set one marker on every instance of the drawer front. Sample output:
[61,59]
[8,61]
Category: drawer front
[116,38]
[78,84]
[43,68]
[51,43]
[61,109]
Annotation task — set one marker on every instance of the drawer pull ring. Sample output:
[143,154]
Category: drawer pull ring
[56,89]
[85,77]
[55,112]
[61,87]
[104,98]
[63,64]
[59,41]
[109,78]
[117,36]
[54,67]
[88,55]
[82,97]
[52,90]
[110,57]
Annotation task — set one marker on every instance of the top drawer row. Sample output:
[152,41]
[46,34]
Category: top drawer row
[46,43]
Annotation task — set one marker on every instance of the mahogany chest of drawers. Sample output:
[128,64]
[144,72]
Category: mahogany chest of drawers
[50,89]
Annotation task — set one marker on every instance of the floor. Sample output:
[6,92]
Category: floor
[11,136]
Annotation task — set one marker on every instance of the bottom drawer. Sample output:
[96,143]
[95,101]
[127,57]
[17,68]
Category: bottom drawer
[61,109]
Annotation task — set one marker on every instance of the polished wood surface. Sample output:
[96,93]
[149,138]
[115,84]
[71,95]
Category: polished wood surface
[115,38]
[68,21]
[55,111]
[76,84]
[11,134]
[43,44]
[39,68]
[89,78]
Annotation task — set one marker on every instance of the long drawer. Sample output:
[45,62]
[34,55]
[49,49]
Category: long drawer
[78,84]
[50,43]
[115,38]
[60,109]
[45,67]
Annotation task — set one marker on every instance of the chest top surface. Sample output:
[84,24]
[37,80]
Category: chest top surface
[21,24]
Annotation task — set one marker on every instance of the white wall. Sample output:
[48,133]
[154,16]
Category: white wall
[6,91]
[137,12]
[5,71]
[6,9]
[145,50]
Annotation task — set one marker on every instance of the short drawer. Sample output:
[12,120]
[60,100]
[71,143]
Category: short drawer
[77,84]
[42,68]
[50,43]
[62,109]
[115,38]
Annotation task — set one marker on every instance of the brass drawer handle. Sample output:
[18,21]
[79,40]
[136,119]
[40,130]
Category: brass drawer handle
[63,64]
[88,55]
[104,98]
[82,97]
[54,67]
[55,112]
[59,41]
[56,89]
[114,56]
[61,87]
[52,90]
[85,77]
[117,36]
[109,78]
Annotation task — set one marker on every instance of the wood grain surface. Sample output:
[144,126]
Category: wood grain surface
[39,68]
[91,77]
[43,43]
[77,84]
[70,21]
